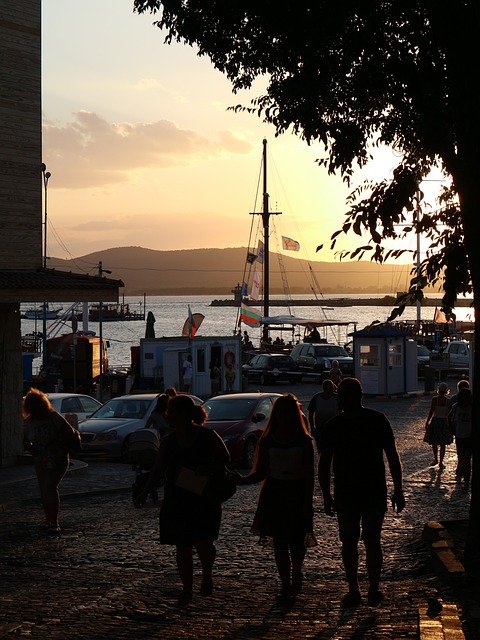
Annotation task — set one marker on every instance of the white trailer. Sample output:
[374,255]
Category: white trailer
[161,362]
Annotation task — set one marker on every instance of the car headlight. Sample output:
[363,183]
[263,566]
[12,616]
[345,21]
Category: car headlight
[106,437]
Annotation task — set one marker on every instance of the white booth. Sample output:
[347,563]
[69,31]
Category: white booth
[161,362]
[385,360]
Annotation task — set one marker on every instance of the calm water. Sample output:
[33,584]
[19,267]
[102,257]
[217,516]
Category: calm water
[171,312]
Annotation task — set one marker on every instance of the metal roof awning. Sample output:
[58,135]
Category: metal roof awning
[50,285]
[304,322]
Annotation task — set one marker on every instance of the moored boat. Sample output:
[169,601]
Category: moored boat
[38,313]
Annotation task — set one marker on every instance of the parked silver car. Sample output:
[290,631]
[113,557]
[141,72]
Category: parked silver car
[108,430]
[83,406]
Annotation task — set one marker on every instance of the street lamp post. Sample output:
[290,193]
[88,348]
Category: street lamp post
[101,271]
[46,177]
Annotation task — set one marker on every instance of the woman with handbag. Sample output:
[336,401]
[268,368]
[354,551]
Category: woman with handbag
[285,462]
[190,518]
[50,439]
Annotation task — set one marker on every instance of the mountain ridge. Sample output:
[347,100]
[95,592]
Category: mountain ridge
[217,272]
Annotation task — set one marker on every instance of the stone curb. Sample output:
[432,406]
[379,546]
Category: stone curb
[442,554]
[442,621]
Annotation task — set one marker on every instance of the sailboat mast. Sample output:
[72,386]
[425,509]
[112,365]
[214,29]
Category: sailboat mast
[266,213]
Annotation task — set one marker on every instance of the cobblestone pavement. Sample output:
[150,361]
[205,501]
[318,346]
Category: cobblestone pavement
[108,577]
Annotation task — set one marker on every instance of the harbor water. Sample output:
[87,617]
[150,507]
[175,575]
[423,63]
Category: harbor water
[171,312]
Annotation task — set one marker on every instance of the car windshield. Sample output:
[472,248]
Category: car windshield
[331,351]
[229,408]
[123,408]
[422,351]
[281,360]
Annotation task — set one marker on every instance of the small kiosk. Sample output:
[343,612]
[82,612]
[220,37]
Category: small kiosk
[161,362]
[385,360]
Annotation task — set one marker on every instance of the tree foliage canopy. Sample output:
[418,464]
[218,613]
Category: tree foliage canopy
[351,74]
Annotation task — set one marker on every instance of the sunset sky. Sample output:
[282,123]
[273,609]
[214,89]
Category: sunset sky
[143,151]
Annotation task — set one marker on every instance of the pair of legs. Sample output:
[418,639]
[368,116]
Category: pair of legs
[206,552]
[349,528]
[48,482]
[289,557]
[436,448]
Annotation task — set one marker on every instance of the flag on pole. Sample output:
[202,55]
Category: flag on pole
[260,252]
[257,283]
[289,244]
[251,257]
[192,323]
[439,317]
[250,316]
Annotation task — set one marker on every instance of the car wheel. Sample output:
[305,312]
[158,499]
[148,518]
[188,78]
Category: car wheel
[249,449]
[125,450]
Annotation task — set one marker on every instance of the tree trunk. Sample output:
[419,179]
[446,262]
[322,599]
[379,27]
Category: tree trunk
[470,206]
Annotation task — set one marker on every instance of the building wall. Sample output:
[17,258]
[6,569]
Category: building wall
[20,135]
[11,382]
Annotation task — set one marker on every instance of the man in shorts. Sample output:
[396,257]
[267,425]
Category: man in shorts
[355,441]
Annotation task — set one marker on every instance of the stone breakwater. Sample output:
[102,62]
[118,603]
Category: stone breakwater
[386,301]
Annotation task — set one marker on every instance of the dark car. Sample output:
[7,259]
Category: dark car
[317,359]
[423,358]
[271,367]
[240,418]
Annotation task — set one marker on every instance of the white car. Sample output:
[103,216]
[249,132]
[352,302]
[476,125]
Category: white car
[81,405]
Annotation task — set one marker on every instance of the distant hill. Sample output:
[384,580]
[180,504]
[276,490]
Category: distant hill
[217,271]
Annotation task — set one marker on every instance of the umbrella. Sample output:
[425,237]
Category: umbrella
[150,328]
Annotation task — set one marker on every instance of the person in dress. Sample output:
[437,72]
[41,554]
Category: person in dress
[437,428]
[189,519]
[48,436]
[460,418]
[285,463]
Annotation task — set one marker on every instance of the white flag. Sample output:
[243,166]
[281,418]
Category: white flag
[257,283]
[289,244]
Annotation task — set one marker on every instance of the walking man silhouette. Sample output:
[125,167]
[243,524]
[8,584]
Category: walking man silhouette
[354,441]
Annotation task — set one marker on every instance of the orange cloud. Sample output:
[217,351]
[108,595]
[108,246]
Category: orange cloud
[91,152]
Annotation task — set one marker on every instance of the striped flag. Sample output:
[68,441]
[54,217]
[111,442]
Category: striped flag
[289,244]
[250,316]
[192,323]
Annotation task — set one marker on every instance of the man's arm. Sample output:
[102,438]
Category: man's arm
[395,466]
